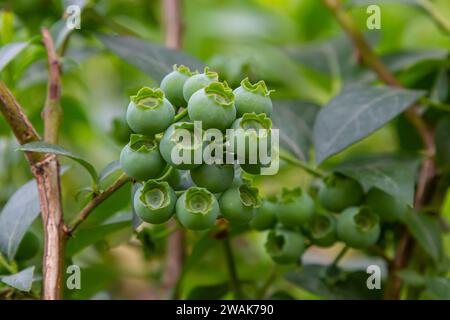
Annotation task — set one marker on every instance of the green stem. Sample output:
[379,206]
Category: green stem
[6,265]
[435,104]
[340,255]
[180,115]
[296,162]
[266,285]
[166,174]
[232,268]
[435,15]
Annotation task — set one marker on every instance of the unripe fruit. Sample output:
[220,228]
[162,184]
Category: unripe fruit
[28,247]
[295,208]
[140,158]
[265,217]
[340,192]
[251,137]
[172,85]
[358,227]
[322,230]
[386,206]
[284,246]
[239,204]
[213,106]
[197,82]
[155,201]
[180,144]
[197,209]
[214,177]
[252,98]
[149,112]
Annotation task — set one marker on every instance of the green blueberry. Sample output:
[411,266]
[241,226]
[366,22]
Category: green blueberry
[197,209]
[28,247]
[172,85]
[239,204]
[265,217]
[214,177]
[250,134]
[322,230]
[140,158]
[358,227]
[340,192]
[284,246]
[155,201]
[182,146]
[386,206]
[295,208]
[149,112]
[197,82]
[252,98]
[213,106]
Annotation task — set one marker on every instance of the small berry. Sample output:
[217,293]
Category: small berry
[358,227]
[322,230]
[284,246]
[214,177]
[239,204]
[140,158]
[154,202]
[197,82]
[197,209]
[340,192]
[296,208]
[252,98]
[213,106]
[172,85]
[149,112]
[265,217]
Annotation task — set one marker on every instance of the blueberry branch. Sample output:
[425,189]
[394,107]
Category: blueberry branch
[95,201]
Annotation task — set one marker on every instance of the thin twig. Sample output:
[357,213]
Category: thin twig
[296,162]
[231,264]
[98,199]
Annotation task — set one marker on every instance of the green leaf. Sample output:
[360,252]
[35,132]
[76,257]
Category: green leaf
[44,147]
[111,168]
[21,281]
[349,285]
[426,231]
[411,277]
[405,59]
[442,141]
[209,292]
[16,217]
[295,119]
[356,113]
[10,51]
[154,60]
[390,173]
[89,236]
[438,288]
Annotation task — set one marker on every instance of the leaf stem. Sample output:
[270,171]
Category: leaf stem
[340,255]
[6,265]
[96,200]
[180,115]
[296,162]
[235,283]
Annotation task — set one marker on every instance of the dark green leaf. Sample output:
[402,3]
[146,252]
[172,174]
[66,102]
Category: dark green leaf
[356,113]
[295,119]
[426,231]
[442,138]
[44,147]
[349,285]
[411,278]
[405,59]
[89,236]
[10,51]
[21,281]
[16,217]
[209,292]
[438,288]
[392,174]
[154,60]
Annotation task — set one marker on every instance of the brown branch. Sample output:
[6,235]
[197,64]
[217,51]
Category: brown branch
[52,113]
[427,171]
[175,245]
[99,198]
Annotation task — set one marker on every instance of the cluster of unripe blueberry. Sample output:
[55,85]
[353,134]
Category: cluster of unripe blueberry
[294,218]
